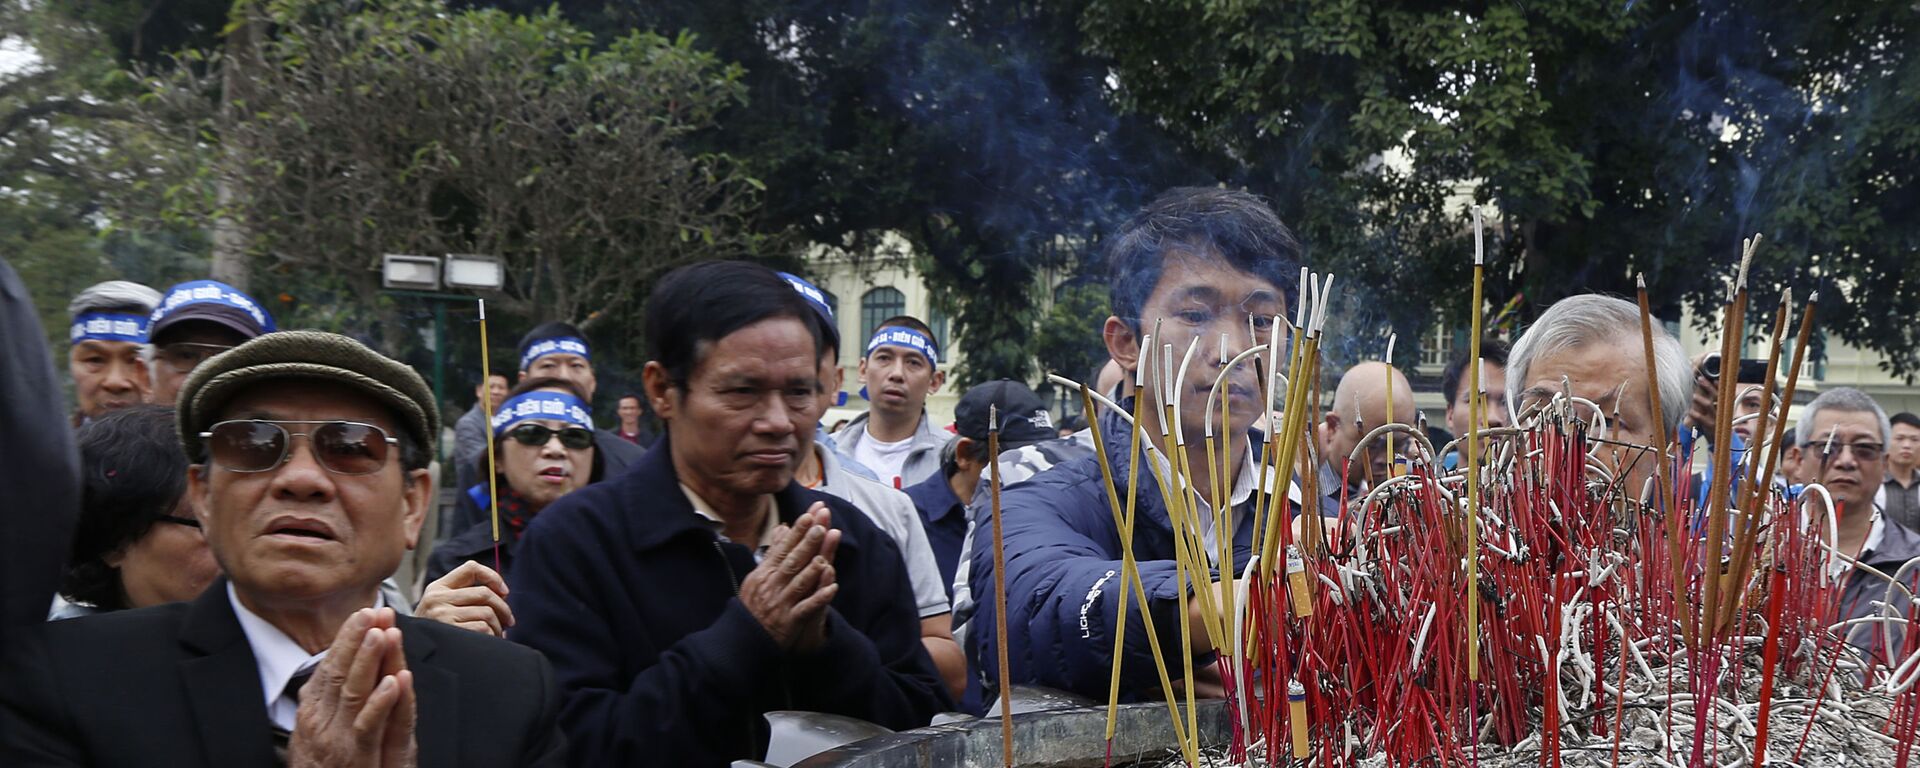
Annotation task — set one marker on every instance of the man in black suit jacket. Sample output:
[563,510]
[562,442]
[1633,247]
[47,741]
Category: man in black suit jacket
[310,481]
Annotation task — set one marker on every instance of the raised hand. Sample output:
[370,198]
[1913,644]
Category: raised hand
[471,597]
[358,708]
[791,588]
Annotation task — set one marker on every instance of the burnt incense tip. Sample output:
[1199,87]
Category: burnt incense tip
[1640,281]
[993,417]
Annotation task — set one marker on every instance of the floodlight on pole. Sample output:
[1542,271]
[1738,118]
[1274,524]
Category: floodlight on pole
[406,272]
[466,270]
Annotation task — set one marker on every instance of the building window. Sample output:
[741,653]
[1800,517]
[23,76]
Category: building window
[937,320]
[875,307]
[833,302]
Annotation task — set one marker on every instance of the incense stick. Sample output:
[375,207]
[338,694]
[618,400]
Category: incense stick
[486,404]
[1000,584]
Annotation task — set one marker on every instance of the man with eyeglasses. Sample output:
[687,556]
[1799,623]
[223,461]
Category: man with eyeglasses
[683,600]
[195,321]
[543,449]
[309,479]
[1842,438]
[108,332]
[1196,263]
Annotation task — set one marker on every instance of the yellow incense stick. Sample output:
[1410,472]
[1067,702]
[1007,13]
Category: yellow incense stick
[486,405]
[1474,416]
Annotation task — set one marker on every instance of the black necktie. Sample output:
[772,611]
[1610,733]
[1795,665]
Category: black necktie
[280,737]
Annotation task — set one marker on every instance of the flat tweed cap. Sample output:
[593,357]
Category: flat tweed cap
[305,355]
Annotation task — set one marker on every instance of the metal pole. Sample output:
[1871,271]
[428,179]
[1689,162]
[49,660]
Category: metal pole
[439,353]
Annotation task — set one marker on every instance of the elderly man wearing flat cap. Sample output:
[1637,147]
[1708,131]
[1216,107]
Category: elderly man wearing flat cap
[310,481]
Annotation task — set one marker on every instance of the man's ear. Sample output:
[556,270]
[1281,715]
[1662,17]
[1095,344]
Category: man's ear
[418,494]
[862,369]
[963,450]
[938,377]
[659,387]
[523,377]
[1122,345]
[197,495]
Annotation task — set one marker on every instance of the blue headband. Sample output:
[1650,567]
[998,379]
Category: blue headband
[541,404]
[907,338]
[558,345]
[213,292]
[108,326]
[811,293]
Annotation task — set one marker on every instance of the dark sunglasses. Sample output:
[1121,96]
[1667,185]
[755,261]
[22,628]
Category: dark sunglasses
[343,447]
[536,435]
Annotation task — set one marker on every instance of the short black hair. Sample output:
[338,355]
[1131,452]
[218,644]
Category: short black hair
[1494,351]
[636,397]
[699,304]
[1237,227]
[907,321]
[1907,418]
[133,471]
[544,382]
[542,332]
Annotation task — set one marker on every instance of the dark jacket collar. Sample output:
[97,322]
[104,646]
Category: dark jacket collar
[653,489]
[229,707]
[934,497]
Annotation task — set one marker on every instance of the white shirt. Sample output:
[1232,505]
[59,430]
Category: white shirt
[893,512]
[278,658]
[1243,488]
[887,460]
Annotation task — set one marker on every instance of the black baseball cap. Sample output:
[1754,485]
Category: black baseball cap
[1024,419]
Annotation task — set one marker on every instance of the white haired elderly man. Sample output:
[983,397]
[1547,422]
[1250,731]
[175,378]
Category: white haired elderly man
[1842,445]
[1591,345]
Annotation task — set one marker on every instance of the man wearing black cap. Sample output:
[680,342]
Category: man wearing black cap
[195,321]
[310,482]
[561,351]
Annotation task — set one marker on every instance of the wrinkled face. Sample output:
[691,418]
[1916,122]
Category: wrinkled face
[1613,375]
[300,531]
[1852,465]
[629,411]
[573,368]
[543,473]
[898,380]
[1493,407]
[106,375]
[169,564]
[735,426]
[1906,445]
[181,349]
[1203,297]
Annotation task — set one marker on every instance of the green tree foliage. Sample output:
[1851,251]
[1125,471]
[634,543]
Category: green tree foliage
[1613,138]
[399,127]
[57,91]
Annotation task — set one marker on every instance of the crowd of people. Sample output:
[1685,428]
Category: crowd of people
[643,594]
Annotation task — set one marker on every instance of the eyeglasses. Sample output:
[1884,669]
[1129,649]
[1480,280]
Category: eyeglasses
[1861,451]
[184,356]
[178,520]
[342,447]
[536,435]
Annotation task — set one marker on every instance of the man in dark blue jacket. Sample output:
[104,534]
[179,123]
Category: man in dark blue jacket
[1209,264]
[683,600]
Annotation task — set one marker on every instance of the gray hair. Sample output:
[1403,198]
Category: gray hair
[112,295]
[1594,318]
[1845,399]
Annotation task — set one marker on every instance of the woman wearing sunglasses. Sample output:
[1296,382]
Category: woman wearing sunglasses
[543,449]
[138,543]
